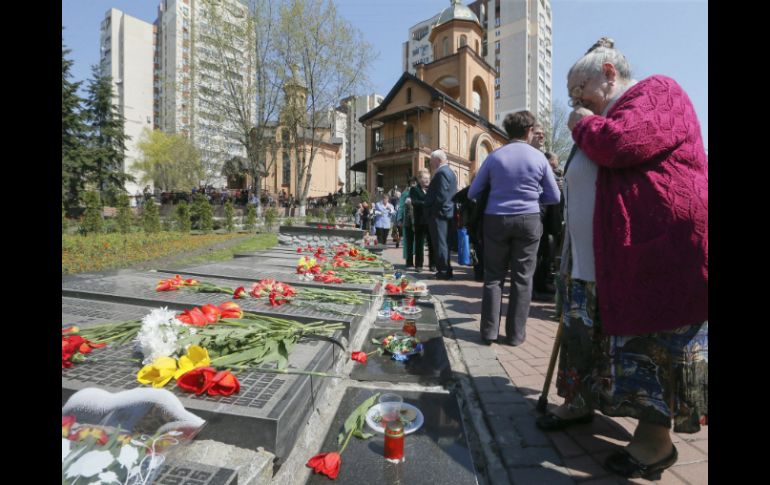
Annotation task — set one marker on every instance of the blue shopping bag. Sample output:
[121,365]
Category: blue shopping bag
[463,247]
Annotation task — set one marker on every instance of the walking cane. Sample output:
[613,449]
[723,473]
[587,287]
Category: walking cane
[542,403]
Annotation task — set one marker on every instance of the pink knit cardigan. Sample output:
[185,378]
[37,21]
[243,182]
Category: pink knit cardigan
[651,216]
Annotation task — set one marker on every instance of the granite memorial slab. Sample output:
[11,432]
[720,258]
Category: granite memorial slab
[236,271]
[269,410]
[139,288]
[438,452]
[430,368]
[278,262]
[182,472]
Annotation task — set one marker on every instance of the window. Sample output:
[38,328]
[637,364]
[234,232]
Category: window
[497,22]
[408,95]
[497,45]
[497,33]
[286,168]
[497,94]
[497,81]
[446,46]
[463,40]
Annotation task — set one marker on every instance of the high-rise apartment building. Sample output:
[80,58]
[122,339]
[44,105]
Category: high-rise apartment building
[517,42]
[126,55]
[354,146]
[418,49]
[189,74]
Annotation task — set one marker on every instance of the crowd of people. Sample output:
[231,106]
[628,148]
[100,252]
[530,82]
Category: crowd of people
[242,197]
[621,234]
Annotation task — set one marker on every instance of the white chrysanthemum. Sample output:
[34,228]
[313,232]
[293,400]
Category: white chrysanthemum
[107,478]
[159,334]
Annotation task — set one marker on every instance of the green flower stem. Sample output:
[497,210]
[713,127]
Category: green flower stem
[345,444]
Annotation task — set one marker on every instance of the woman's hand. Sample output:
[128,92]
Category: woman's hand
[578,114]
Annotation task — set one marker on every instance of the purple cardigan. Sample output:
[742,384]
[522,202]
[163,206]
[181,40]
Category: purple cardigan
[651,215]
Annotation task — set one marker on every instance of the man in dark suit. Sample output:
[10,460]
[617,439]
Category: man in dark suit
[440,211]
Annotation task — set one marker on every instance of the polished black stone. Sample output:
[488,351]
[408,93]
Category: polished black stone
[269,411]
[431,368]
[436,453]
[427,318]
[184,472]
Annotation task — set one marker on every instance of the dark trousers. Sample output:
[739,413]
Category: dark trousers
[421,234]
[509,242]
[541,279]
[409,245]
[439,230]
[382,235]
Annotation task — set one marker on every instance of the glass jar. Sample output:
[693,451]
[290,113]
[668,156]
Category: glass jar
[394,441]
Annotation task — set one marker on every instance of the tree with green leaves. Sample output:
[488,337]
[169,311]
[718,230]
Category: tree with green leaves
[150,217]
[326,59]
[107,139]
[92,217]
[169,161]
[74,152]
[270,215]
[124,214]
[251,218]
[203,214]
[229,216]
[183,217]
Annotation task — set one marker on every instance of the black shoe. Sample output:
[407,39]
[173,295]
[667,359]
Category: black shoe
[432,269]
[443,276]
[551,422]
[625,465]
[509,341]
[536,296]
[409,265]
[487,341]
[418,269]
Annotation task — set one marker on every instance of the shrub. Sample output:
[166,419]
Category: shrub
[330,217]
[92,218]
[183,223]
[229,216]
[270,214]
[251,218]
[203,214]
[124,214]
[150,217]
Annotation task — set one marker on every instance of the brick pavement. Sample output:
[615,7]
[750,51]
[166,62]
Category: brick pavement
[508,382]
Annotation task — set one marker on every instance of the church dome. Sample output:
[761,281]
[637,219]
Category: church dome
[456,11]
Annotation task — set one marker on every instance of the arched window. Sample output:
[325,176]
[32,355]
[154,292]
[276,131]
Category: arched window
[483,153]
[446,46]
[476,102]
[286,167]
[477,47]
[463,40]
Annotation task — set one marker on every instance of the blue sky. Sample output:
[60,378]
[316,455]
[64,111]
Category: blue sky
[657,36]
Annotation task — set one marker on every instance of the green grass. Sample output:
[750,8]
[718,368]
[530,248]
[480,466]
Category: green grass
[259,241]
[98,252]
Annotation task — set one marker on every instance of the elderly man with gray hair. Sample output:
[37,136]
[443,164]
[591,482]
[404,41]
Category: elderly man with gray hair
[440,210]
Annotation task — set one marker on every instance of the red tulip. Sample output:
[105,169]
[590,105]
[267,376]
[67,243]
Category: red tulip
[231,309]
[359,357]
[66,425]
[193,317]
[224,384]
[238,292]
[212,312]
[197,380]
[326,463]
[396,316]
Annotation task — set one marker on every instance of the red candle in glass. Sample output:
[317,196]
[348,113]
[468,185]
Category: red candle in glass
[394,441]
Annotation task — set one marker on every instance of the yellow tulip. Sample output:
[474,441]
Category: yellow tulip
[196,357]
[158,373]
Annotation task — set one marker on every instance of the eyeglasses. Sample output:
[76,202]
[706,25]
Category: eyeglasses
[576,95]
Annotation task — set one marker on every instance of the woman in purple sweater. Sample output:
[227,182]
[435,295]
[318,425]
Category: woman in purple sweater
[635,261]
[518,177]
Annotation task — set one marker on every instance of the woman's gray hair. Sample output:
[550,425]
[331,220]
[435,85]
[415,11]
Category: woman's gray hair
[601,52]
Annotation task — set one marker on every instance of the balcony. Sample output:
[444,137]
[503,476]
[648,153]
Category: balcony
[400,144]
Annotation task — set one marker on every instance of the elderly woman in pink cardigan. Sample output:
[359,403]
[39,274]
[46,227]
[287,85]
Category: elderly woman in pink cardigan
[634,276]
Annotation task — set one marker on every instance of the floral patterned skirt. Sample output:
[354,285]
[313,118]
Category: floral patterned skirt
[656,377]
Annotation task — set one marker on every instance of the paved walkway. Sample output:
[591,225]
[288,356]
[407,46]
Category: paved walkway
[508,382]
